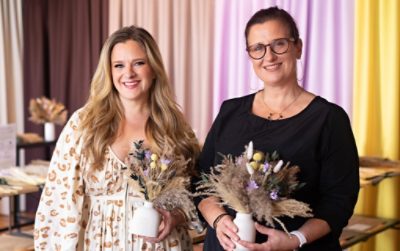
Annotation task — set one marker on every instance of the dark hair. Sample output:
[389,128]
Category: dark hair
[273,13]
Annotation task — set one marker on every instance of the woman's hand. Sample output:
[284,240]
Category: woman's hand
[170,219]
[277,240]
[226,232]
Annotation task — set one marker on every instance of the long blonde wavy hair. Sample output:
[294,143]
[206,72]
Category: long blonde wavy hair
[103,112]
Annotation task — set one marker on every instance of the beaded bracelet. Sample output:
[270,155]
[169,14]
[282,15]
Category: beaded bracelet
[219,217]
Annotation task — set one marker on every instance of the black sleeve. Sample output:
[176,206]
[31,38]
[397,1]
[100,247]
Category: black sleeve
[339,177]
[207,156]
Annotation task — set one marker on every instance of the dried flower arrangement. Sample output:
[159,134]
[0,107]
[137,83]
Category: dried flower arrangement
[44,110]
[256,183]
[163,179]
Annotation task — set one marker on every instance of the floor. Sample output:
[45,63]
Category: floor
[17,243]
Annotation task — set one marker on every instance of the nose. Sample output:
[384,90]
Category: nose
[269,55]
[129,72]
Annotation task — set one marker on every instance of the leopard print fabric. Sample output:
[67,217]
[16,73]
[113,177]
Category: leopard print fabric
[90,210]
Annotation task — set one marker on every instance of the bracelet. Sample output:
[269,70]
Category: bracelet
[300,236]
[219,217]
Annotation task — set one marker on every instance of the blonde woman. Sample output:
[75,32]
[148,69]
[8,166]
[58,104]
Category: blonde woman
[86,202]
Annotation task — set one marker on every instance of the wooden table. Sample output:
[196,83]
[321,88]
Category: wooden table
[13,218]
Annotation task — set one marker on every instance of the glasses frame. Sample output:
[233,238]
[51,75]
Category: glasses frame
[272,50]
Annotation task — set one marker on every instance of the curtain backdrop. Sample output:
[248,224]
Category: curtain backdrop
[11,97]
[62,41]
[326,28]
[183,31]
[203,46]
[11,94]
[377,107]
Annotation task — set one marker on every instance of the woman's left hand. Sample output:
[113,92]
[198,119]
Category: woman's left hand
[170,219]
[277,240]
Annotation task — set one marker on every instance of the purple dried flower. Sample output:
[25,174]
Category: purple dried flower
[273,195]
[266,167]
[165,161]
[147,154]
[251,185]
[146,172]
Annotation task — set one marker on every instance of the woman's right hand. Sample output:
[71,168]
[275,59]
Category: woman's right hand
[226,232]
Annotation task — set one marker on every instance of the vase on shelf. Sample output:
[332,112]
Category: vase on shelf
[247,230]
[49,131]
[145,221]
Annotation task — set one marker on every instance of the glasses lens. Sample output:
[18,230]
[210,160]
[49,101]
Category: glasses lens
[256,51]
[280,46]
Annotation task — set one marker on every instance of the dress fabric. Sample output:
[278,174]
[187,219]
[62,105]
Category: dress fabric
[319,140]
[82,209]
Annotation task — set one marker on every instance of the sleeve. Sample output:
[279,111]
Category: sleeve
[57,223]
[339,178]
[207,156]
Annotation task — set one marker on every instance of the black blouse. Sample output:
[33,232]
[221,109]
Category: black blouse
[319,140]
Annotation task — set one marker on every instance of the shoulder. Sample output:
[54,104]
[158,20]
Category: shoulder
[331,115]
[73,126]
[76,118]
[237,104]
[331,109]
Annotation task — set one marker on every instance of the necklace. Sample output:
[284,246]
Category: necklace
[280,116]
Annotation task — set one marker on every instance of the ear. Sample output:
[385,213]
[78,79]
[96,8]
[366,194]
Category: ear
[299,48]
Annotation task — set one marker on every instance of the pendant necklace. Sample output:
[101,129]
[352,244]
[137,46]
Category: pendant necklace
[280,116]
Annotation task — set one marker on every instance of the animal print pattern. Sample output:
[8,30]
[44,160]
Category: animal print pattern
[81,209]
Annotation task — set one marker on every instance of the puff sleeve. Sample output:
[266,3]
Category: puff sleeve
[57,223]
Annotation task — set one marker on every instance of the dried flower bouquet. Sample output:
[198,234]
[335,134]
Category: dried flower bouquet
[44,110]
[256,183]
[162,178]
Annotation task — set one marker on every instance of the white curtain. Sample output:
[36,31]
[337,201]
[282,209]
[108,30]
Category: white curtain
[183,31]
[11,92]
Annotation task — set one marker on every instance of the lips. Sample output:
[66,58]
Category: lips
[272,66]
[131,84]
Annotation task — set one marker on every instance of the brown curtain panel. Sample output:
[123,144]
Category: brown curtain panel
[62,43]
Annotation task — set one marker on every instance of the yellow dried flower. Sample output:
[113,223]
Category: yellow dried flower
[164,166]
[154,157]
[258,156]
[254,165]
[153,164]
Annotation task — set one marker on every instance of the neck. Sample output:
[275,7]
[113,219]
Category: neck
[135,109]
[278,100]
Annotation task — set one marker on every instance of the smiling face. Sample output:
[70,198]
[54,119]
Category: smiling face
[274,69]
[131,73]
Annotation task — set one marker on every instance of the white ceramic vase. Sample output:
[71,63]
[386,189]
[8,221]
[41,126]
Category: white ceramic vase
[247,230]
[145,221]
[49,131]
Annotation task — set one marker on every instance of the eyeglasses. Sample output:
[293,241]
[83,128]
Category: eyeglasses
[278,46]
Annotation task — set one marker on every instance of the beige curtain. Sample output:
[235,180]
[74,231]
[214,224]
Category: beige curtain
[183,30]
[11,99]
[11,93]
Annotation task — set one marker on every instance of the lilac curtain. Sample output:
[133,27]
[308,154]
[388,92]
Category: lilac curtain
[326,67]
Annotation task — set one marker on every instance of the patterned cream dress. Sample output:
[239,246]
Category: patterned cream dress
[81,209]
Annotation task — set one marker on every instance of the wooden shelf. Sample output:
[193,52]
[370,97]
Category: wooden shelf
[361,228]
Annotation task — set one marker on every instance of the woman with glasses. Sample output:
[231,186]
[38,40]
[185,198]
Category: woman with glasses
[303,128]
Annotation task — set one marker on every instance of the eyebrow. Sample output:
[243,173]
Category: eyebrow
[135,60]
